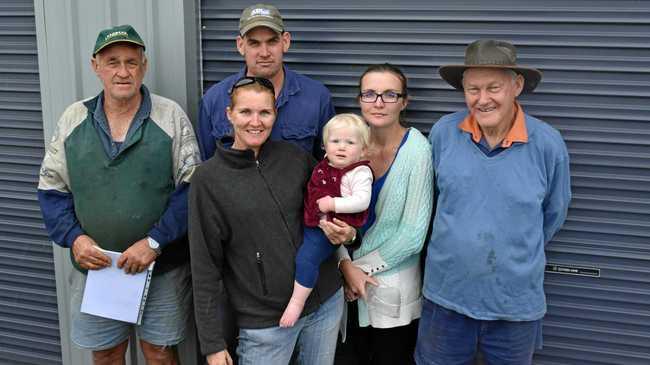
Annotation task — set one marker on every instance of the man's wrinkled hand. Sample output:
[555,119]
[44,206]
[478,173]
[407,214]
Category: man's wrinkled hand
[337,231]
[137,258]
[87,254]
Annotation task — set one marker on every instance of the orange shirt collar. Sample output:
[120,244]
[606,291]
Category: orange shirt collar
[518,132]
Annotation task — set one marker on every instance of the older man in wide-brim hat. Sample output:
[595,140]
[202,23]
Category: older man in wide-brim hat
[503,190]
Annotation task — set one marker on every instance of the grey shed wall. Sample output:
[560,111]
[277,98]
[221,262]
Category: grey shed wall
[595,56]
[29,327]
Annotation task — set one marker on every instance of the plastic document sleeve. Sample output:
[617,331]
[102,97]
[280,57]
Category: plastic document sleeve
[112,293]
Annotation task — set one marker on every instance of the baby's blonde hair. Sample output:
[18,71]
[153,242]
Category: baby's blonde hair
[348,120]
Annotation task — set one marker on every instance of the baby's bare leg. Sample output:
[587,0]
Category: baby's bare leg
[296,304]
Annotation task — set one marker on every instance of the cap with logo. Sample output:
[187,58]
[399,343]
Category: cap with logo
[120,33]
[260,15]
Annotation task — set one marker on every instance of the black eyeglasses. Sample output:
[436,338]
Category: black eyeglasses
[247,80]
[371,96]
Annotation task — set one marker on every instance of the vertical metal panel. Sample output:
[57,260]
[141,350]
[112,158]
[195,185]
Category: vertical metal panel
[595,56]
[29,329]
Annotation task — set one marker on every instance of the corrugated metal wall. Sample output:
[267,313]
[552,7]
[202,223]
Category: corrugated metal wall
[595,56]
[29,327]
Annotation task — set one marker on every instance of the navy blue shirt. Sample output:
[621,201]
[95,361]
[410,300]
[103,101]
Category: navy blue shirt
[377,185]
[484,146]
[304,106]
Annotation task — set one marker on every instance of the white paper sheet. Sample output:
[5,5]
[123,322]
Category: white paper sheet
[112,293]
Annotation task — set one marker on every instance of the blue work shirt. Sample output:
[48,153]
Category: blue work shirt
[304,106]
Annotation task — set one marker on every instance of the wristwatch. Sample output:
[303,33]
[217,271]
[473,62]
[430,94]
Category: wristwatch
[351,241]
[154,245]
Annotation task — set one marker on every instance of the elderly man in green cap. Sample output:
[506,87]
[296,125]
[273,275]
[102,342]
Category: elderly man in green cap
[502,191]
[115,177]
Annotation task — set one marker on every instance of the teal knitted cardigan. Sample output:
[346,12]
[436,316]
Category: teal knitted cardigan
[403,211]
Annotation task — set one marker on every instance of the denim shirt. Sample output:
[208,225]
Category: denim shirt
[304,106]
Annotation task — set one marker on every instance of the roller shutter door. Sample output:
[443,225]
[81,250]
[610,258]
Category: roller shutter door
[595,56]
[29,327]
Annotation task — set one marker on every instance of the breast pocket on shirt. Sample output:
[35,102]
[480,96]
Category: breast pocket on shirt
[302,132]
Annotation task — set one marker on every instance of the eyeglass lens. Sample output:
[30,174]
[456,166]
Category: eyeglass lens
[386,96]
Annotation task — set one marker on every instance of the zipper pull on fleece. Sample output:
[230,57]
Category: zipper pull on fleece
[260,268]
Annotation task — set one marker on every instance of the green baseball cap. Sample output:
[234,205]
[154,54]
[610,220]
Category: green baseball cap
[120,33]
[260,15]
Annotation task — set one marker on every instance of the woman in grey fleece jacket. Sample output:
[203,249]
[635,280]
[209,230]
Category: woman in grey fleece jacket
[245,226]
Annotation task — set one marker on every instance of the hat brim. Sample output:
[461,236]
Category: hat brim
[261,23]
[453,74]
[118,41]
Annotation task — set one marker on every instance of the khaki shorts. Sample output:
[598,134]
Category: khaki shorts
[165,316]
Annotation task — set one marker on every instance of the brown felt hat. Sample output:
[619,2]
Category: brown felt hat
[490,53]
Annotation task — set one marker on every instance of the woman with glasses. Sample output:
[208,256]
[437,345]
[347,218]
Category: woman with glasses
[246,209]
[383,275]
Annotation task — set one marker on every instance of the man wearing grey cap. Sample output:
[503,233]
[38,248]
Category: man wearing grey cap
[303,104]
[115,177]
[502,191]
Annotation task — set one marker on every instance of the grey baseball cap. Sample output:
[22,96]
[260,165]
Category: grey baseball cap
[260,15]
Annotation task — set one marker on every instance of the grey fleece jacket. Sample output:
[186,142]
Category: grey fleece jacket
[245,226]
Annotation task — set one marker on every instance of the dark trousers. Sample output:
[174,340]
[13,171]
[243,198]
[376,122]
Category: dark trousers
[447,337]
[376,346]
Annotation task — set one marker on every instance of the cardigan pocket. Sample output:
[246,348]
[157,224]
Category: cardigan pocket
[385,300]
